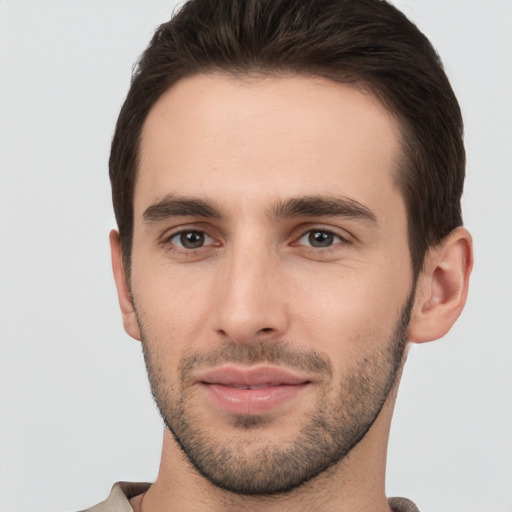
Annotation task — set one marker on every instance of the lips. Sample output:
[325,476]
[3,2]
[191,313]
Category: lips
[256,376]
[251,390]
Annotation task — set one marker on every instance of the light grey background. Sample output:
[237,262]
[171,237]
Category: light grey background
[75,410]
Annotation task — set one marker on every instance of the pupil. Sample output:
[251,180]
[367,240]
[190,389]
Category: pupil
[192,239]
[321,239]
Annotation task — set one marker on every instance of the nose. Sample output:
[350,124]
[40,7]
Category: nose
[251,304]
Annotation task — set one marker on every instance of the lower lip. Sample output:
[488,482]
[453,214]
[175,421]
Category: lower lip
[251,401]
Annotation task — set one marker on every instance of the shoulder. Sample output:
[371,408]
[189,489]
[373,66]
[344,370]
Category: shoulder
[402,505]
[118,499]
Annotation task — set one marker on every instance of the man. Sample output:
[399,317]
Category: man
[286,179]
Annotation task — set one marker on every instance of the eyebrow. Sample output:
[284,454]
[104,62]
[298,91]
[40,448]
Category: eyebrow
[323,206]
[307,206]
[174,206]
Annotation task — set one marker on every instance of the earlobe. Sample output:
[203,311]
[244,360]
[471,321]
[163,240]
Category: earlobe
[130,322]
[442,287]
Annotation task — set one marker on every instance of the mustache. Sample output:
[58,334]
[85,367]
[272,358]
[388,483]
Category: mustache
[277,353]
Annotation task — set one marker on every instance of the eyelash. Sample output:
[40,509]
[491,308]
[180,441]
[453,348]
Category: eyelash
[330,233]
[168,240]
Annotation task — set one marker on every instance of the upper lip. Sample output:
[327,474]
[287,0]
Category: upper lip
[245,377]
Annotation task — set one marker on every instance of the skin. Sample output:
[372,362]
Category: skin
[246,147]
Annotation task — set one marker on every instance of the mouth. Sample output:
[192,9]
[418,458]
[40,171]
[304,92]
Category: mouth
[251,390]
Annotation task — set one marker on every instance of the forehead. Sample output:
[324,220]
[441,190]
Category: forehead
[261,138]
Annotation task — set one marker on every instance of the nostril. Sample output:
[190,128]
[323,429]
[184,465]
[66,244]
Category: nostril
[266,329]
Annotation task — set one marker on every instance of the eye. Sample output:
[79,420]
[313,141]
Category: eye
[319,238]
[191,239]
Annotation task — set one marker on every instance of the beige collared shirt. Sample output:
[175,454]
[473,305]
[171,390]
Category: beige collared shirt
[122,492]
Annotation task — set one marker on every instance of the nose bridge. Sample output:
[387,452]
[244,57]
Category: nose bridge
[250,304]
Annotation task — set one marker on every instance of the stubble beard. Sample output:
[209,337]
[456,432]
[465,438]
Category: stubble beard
[247,466]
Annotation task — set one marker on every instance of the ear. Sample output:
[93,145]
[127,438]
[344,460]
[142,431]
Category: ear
[442,287]
[130,322]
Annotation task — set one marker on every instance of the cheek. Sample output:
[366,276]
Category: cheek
[174,307]
[348,314]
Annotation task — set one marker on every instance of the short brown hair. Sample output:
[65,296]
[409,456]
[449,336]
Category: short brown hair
[368,43]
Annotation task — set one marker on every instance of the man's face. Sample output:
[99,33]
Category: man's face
[271,273]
